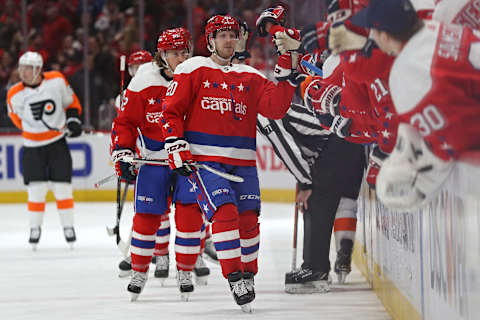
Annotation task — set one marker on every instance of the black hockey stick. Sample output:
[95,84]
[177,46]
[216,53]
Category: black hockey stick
[295,230]
[122,246]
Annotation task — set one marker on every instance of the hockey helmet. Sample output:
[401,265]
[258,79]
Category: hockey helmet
[220,23]
[31,58]
[139,57]
[341,10]
[276,15]
[174,39]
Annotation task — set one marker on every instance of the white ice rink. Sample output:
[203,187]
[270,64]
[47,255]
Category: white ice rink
[58,283]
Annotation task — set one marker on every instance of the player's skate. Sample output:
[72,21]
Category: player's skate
[307,281]
[201,272]
[137,283]
[239,291]
[161,268]
[185,284]
[209,250]
[248,277]
[70,237]
[125,267]
[35,234]
[343,264]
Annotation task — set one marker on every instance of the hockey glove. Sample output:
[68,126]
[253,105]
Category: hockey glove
[285,70]
[375,162]
[312,95]
[341,126]
[123,167]
[180,159]
[330,99]
[412,175]
[346,37]
[241,52]
[74,124]
[287,40]
[314,37]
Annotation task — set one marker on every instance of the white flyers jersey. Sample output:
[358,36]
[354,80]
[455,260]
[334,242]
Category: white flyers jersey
[462,12]
[53,96]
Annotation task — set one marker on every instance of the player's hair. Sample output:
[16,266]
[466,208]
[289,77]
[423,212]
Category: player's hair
[407,33]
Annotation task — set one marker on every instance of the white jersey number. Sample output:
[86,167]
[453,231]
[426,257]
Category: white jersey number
[171,89]
[430,119]
[378,89]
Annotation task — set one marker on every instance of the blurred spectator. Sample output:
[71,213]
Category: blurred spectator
[7,63]
[54,30]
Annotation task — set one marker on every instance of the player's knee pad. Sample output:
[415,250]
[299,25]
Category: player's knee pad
[62,190]
[188,217]
[225,218]
[146,224]
[37,191]
[248,223]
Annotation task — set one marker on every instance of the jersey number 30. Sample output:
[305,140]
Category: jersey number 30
[430,119]
[171,89]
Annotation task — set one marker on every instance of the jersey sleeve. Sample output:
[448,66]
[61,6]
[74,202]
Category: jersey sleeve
[275,99]
[124,129]
[12,108]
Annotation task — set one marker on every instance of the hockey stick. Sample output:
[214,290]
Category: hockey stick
[295,228]
[312,67]
[101,182]
[116,229]
[219,173]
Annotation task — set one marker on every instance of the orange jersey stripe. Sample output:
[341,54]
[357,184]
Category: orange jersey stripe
[304,85]
[36,206]
[16,120]
[41,136]
[75,104]
[65,204]
[345,224]
[13,91]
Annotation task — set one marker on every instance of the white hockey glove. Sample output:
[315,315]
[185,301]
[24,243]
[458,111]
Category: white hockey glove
[286,41]
[412,175]
[341,126]
[343,39]
[180,159]
[330,100]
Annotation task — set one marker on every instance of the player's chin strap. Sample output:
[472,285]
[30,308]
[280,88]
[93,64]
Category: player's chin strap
[163,54]
[159,162]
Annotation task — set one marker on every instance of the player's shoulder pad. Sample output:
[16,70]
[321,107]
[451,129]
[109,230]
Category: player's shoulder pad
[245,68]
[48,75]
[192,64]
[149,76]
[16,88]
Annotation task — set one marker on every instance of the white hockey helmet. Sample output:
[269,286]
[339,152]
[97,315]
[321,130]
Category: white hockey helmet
[31,58]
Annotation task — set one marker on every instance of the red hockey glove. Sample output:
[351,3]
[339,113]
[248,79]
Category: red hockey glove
[286,40]
[180,159]
[330,100]
[375,162]
[123,166]
[341,126]
[285,70]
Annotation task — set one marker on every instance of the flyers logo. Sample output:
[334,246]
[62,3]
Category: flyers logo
[39,108]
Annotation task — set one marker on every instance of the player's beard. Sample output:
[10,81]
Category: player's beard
[226,53]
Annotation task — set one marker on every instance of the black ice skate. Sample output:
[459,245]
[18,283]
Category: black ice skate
[343,264]
[125,267]
[201,272]
[248,277]
[209,250]
[305,281]
[239,291]
[70,237]
[35,234]
[137,283]
[161,268]
[185,284]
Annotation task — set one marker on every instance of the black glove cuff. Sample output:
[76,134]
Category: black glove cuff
[72,113]
[241,56]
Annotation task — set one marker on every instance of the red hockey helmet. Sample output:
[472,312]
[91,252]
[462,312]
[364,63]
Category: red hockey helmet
[173,39]
[276,15]
[341,10]
[139,57]
[220,23]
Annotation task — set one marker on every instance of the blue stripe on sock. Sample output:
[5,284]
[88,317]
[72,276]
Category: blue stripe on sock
[143,244]
[250,250]
[227,245]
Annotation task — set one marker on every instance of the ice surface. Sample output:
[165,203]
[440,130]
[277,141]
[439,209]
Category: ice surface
[58,283]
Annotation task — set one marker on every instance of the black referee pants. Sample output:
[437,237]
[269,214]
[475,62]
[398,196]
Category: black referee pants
[337,173]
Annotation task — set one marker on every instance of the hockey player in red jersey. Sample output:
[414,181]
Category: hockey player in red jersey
[209,116]
[435,85]
[142,110]
[46,109]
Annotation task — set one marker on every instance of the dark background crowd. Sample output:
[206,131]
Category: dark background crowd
[55,30]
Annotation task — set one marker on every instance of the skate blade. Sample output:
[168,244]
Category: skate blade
[124,273]
[342,277]
[315,287]
[247,308]
[134,297]
[34,246]
[70,244]
[201,281]
[162,281]
[185,296]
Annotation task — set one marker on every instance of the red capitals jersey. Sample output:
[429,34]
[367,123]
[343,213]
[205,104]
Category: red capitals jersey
[370,74]
[215,108]
[142,109]
[435,84]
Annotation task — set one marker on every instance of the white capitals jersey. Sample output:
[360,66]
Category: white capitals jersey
[462,12]
[52,96]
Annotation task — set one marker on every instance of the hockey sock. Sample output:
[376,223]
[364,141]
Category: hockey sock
[37,192]
[249,240]
[203,234]
[163,236]
[188,222]
[345,221]
[144,231]
[226,237]
[64,198]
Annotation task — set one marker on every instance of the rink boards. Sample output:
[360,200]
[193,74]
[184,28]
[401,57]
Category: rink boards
[425,264]
[91,162]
